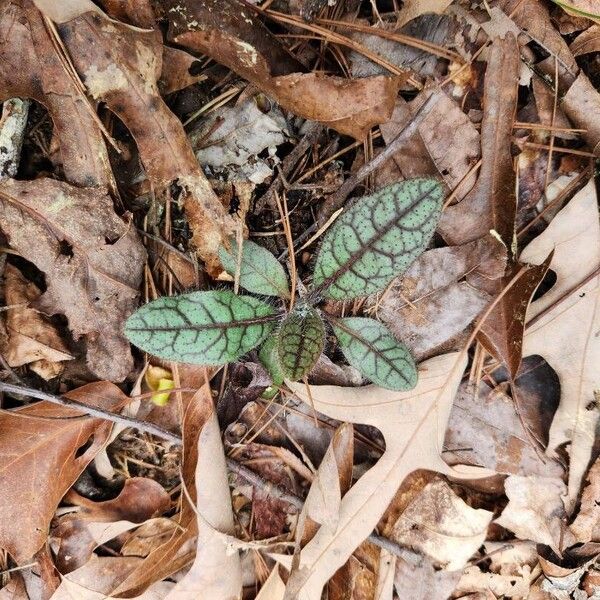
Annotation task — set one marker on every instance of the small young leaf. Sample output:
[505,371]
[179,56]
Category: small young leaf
[377,239]
[300,342]
[376,353]
[260,272]
[211,328]
[269,359]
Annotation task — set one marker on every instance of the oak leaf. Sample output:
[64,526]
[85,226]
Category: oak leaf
[563,324]
[413,425]
[91,259]
[40,459]
[32,339]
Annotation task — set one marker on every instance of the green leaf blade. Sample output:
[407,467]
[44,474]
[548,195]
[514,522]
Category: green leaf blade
[300,342]
[211,328]
[260,272]
[377,239]
[269,359]
[376,353]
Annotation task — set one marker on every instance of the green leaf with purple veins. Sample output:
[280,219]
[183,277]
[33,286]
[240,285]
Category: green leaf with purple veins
[269,359]
[376,353]
[207,328]
[377,239]
[300,342]
[260,272]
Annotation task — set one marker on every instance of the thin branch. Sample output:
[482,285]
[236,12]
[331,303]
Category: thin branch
[92,411]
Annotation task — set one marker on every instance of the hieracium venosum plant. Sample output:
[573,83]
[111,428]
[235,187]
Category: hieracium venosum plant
[373,241]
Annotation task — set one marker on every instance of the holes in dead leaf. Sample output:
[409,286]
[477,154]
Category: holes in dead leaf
[538,389]
[65,248]
[84,447]
[110,240]
[195,68]
[546,285]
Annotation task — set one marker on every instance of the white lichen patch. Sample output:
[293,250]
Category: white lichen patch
[248,54]
[99,83]
[60,202]
[245,131]
[148,67]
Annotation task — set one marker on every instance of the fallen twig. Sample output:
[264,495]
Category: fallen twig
[92,411]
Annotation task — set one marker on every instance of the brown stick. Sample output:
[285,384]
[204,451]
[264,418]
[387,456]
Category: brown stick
[92,411]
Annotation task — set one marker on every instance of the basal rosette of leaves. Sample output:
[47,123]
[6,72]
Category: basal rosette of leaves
[375,240]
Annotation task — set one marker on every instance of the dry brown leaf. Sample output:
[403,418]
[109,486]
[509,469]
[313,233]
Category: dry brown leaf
[121,68]
[94,580]
[148,536]
[490,207]
[38,454]
[439,31]
[581,104]
[417,579]
[446,143]
[491,204]
[562,577]
[140,499]
[533,18]
[234,37]
[175,553]
[322,504]
[586,527]
[570,317]
[332,479]
[31,337]
[536,511]
[31,67]
[412,9]
[73,541]
[91,259]
[478,585]
[136,12]
[77,534]
[179,70]
[15,589]
[580,100]
[413,425]
[486,422]
[433,302]
[440,525]
[586,42]
[581,8]
[273,588]
[216,571]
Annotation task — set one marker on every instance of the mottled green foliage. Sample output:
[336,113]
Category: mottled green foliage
[376,353]
[260,272]
[212,328]
[300,342]
[269,358]
[377,239]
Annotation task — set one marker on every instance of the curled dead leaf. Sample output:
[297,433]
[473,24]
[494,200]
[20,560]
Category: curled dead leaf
[37,453]
[91,259]
[31,337]
[235,37]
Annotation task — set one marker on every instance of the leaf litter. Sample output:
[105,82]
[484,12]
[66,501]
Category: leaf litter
[439,437]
